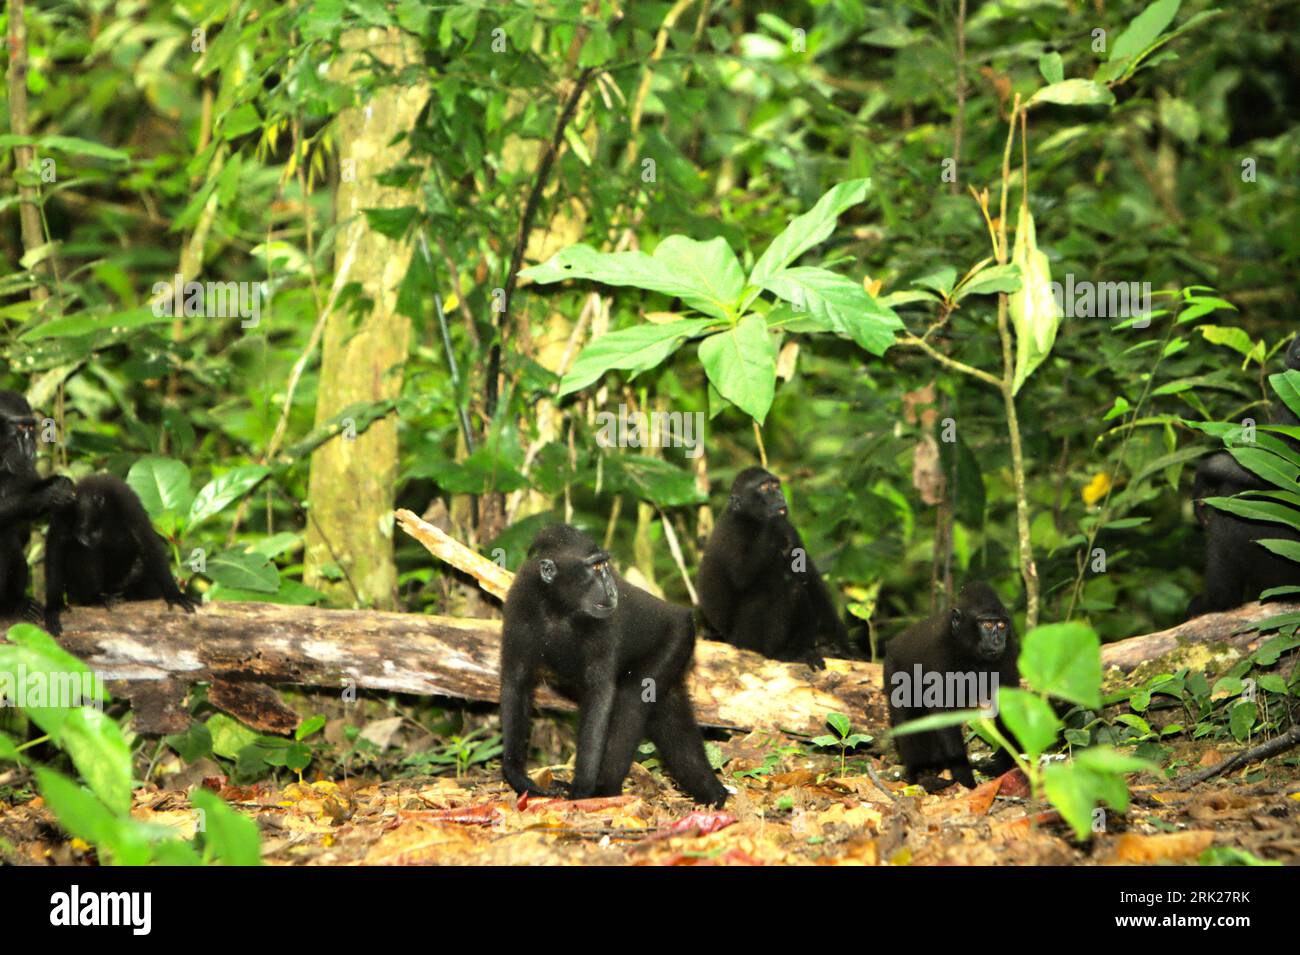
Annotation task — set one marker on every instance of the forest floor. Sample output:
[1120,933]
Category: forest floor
[789,808]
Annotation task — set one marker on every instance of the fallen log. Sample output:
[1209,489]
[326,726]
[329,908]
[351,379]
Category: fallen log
[153,655]
[1231,628]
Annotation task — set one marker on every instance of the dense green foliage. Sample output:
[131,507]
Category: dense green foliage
[1162,153]
[749,123]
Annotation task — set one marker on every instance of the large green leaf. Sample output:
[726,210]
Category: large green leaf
[632,349]
[807,230]
[221,492]
[1033,309]
[741,364]
[1063,660]
[838,304]
[163,485]
[85,817]
[709,266]
[1268,466]
[1257,510]
[54,683]
[243,570]
[1076,788]
[1283,548]
[231,836]
[101,755]
[704,275]
[1030,719]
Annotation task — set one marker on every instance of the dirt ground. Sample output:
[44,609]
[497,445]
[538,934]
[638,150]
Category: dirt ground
[793,810]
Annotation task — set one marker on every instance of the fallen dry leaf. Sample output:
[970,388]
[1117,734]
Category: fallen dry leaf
[1163,847]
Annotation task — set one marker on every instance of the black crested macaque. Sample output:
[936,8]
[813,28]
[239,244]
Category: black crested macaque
[24,497]
[759,589]
[1237,568]
[976,641]
[620,653]
[102,547]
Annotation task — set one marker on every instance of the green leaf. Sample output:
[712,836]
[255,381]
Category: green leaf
[1241,718]
[101,754]
[839,723]
[1075,790]
[53,658]
[193,744]
[1283,548]
[598,49]
[244,570]
[56,683]
[1232,855]
[1064,660]
[85,817]
[807,230]
[309,726]
[163,485]
[175,852]
[1033,309]
[999,278]
[1144,29]
[229,736]
[838,304]
[652,479]
[709,266]
[712,283]
[221,492]
[1230,336]
[231,836]
[1257,510]
[75,146]
[1268,466]
[741,364]
[634,349]
[1287,386]
[9,749]
[92,322]
[1049,64]
[937,721]
[941,280]
[1074,93]
[1030,719]
[239,121]
[391,223]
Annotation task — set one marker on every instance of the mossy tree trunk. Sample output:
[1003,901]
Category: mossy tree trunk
[350,526]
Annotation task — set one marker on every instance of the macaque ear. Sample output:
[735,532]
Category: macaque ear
[956,619]
[547,568]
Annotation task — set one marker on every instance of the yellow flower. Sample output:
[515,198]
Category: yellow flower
[1096,489]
